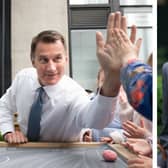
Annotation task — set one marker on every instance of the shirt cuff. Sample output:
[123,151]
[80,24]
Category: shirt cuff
[6,128]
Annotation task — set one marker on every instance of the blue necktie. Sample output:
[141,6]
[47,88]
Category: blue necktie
[33,132]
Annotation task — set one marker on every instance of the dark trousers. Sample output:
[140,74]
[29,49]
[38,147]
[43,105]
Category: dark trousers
[164,133]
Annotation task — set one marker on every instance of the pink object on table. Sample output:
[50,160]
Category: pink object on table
[109,155]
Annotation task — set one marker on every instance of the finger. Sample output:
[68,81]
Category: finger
[117,22]
[125,38]
[126,130]
[142,123]
[127,135]
[99,40]
[88,139]
[117,35]
[110,25]
[133,34]
[115,40]
[141,153]
[131,140]
[18,138]
[105,139]
[144,157]
[129,129]
[14,138]
[136,160]
[22,138]
[25,139]
[125,144]
[135,150]
[131,147]
[124,24]
[135,165]
[138,45]
[131,124]
[8,138]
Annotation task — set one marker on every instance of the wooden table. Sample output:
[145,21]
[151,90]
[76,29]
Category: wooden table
[60,155]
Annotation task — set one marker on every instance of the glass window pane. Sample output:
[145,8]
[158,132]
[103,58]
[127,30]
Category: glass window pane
[84,60]
[141,17]
[147,38]
[77,2]
[135,2]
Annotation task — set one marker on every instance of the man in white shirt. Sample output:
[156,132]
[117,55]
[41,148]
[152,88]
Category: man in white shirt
[67,108]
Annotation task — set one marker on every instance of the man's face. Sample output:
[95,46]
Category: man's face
[50,61]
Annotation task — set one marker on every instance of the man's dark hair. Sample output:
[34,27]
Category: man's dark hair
[48,36]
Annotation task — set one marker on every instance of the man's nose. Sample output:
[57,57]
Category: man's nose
[51,66]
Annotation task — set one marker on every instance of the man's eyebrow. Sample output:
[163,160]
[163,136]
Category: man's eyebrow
[42,55]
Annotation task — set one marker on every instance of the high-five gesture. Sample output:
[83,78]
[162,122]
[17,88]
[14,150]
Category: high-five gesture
[115,51]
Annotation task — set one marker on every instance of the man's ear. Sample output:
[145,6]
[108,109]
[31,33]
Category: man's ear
[66,58]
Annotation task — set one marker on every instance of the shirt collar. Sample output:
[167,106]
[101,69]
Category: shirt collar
[53,90]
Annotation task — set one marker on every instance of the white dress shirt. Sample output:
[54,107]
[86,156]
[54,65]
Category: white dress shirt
[66,111]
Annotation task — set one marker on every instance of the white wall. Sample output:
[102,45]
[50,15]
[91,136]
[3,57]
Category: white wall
[30,17]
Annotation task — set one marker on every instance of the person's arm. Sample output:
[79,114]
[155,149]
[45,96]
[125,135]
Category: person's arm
[107,57]
[121,52]
[7,109]
[111,83]
[136,78]
[101,109]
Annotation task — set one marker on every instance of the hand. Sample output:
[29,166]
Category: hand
[111,83]
[115,22]
[106,139]
[121,48]
[133,130]
[140,162]
[110,58]
[16,137]
[87,137]
[138,146]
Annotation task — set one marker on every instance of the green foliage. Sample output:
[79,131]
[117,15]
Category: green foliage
[162,57]
[159,101]
[1,139]
[159,95]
